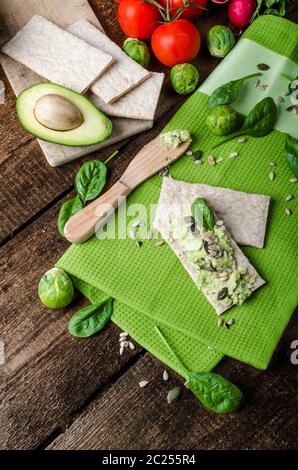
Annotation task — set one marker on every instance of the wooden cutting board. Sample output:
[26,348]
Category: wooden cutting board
[14,14]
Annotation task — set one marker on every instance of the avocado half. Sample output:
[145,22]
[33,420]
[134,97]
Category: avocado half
[95,126]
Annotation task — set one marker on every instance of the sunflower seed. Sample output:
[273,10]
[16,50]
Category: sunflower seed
[288,211]
[220,322]
[271,175]
[173,395]
[280,99]
[233,154]
[230,322]
[257,83]
[211,160]
[189,153]
[242,140]
[131,346]
[289,197]
[160,243]
[293,180]
[272,164]
[165,375]
[133,234]
[143,383]
[263,67]
[198,155]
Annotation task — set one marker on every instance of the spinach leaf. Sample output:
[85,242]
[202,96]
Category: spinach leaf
[228,92]
[91,319]
[67,210]
[202,214]
[291,147]
[215,392]
[259,122]
[90,180]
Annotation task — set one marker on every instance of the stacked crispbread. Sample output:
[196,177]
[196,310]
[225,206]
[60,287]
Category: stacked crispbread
[84,59]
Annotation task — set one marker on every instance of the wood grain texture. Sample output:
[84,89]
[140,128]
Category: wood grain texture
[53,370]
[127,417]
[50,377]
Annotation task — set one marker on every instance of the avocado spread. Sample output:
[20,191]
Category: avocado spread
[176,137]
[211,254]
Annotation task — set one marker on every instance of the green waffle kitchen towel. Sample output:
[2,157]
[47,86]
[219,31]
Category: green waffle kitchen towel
[149,283]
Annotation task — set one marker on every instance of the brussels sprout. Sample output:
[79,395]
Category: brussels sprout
[137,50]
[55,289]
[222,120]
[184,78]
[220,40]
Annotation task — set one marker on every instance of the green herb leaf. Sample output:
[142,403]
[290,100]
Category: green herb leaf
[259,122]
[228,92]
[215,392]
[90,180]
[89,320]
[202,214]
[67,210]
[291,148]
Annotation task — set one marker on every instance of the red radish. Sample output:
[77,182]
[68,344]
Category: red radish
[240,12]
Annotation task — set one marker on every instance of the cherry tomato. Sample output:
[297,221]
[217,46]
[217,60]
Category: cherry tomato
[190,12]
[137,18]
[176,42]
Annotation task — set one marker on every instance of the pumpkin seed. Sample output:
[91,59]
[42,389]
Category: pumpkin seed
[233,154]
[263,67]
[165,375]
[289,198]
[143,383]
[222,293]
[293,180]
[288,211]
[271,175]
[173,395]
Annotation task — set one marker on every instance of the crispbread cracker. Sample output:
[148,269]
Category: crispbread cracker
[176,198]
[57,55]
[139,103]
[122,76]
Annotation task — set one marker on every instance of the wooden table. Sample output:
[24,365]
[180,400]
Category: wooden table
[61,393]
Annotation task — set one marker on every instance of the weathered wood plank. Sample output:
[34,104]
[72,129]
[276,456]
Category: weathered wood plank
[127,417]
[28,184]
[48,373]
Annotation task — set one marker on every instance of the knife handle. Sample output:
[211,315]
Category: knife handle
[87,221]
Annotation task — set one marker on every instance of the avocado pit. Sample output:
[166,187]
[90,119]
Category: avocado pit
[57,113]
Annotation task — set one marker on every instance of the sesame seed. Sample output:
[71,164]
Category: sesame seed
[272,164]
[136,223]
[165,375]
[211,160]
[242,140]
[233,154]
[289,197]
[131,345]
[280,99]
[230,322]
[189,153]
[160,243]
[293,180]
[271,175]
[219,159]
[132,234]
[123,334]
[198,162]
[288,211]
[220,322]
